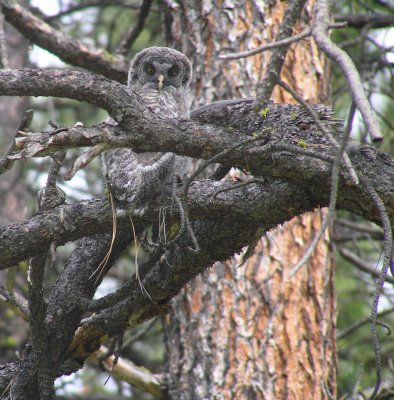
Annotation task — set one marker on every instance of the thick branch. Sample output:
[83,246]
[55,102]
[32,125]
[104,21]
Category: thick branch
[21,240]
[63,224]
[77,85]
[65,47]
[290,148]
[122,104]
[217,238]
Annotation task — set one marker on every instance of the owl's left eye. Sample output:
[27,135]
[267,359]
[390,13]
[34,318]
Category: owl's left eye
[149,69]
[173,71]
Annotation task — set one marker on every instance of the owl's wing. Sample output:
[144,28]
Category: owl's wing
[137,179]
[217,171]
[218,104]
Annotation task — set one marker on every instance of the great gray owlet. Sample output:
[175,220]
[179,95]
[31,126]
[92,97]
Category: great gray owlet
[161,77]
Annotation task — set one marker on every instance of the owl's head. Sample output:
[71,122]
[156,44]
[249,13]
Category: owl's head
[160,68]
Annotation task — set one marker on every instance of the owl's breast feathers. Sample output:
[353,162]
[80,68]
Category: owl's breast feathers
[137,179]
[169,102]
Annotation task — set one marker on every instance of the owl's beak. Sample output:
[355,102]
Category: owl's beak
[161,81]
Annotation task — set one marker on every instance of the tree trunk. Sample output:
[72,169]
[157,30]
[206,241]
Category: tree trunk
[251,332]
[13,194]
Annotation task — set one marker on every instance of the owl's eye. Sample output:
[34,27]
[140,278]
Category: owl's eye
[149,69]
[173,71]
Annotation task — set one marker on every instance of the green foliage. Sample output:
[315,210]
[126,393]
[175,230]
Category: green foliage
[371,51]
[354,290]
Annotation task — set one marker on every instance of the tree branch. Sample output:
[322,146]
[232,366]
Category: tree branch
[288,147]
[274,68]
[83,4]
[279,43]
[373,20]
[69,222]
[361,264]
[291,148]
[68,49]
[127,371]
[320,33]
[133,33]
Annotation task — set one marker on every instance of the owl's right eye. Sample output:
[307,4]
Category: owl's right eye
[149,69]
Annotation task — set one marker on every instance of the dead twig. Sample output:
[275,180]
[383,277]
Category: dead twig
[285,42]
[19,303]
[323,129]
[320,34]
[333,197]
[5,162]
[359,324]
[361,264]
[275,64]
[84,159]
[387,264]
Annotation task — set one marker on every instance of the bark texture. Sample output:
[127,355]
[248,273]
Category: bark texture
[253,316]
[249,332]
[13,194]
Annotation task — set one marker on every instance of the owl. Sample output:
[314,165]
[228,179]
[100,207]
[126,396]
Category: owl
[160,77]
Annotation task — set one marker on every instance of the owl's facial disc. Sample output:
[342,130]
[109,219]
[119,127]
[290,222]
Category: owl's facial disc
[162,74]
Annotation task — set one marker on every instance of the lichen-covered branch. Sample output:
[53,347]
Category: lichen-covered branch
[18,241]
